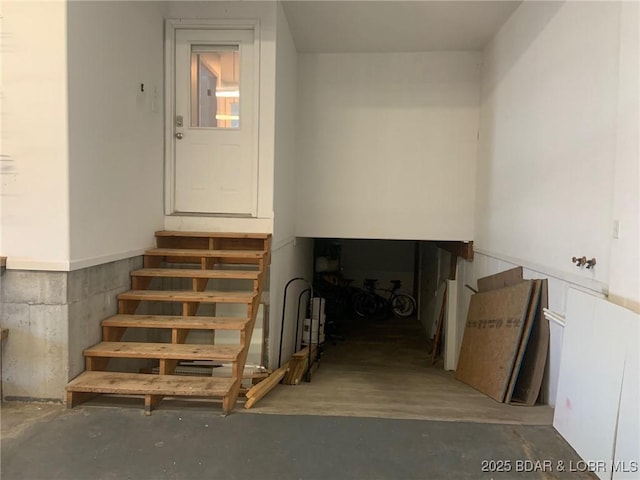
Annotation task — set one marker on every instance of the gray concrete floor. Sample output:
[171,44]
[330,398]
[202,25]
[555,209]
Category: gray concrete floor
[376,409]
[95,442]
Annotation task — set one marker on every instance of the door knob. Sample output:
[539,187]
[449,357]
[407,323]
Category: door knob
[179,135]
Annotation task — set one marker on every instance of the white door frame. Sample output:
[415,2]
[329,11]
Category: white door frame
[171,25]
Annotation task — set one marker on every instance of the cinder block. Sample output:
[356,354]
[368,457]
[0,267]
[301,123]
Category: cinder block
[79,336]
[116,274]
[50,322]
[31,287]
[97,307]
[36,357]
[111,300]
[78,285]
[97,283]
[53,287]
[14,316]
[122,274]
[136,263]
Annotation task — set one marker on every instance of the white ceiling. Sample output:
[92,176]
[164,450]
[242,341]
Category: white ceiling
[394,26]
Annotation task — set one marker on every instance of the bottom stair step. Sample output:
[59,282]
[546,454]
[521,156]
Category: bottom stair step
[146,384]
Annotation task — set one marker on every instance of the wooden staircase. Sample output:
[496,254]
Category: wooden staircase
[201,257]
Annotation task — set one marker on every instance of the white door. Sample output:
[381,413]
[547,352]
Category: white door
[215,154]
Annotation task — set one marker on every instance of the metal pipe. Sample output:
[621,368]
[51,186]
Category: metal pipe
[284,309]
[295,339]
[554,317]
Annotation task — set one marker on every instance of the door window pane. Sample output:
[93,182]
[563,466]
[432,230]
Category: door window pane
[215,86]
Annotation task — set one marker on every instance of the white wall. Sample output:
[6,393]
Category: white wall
[291,257]
[548,141]
[289,261]
[265,12]
[115,129]
[558,154]
[624,271]
[387,145]
[285,133]
[559,144]
[34,191]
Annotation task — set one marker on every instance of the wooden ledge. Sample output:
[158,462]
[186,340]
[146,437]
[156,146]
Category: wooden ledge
[461,249]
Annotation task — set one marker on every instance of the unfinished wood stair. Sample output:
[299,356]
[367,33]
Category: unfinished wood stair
[211,257]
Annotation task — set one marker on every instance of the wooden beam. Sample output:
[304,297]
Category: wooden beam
[453,266]
[439,328]
[258,391]
[461,249]
[151,402]
[76,398]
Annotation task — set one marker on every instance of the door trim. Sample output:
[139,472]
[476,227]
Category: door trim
[171,25]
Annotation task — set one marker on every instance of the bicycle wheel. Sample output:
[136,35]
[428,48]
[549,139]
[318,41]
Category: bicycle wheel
[363,304]
[403,305]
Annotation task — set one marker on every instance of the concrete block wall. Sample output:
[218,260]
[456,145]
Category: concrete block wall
[35,358]
[52,317]
[92,298]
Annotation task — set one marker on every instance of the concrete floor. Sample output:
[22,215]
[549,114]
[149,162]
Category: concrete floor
[376,409]
[383,370]
[95,443]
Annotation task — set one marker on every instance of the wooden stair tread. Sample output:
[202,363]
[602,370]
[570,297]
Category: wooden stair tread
[195,273]
[142,383]
[174,321]
[174,233]
[208,296]
[189,252]
[164,351]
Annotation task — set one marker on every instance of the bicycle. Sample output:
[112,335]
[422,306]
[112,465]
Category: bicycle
[367,302]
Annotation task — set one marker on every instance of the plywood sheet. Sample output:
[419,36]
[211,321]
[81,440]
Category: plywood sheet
[500,280]
[437,307]
[590,380]
[451,327]
[529,379]
[524,339]
[491,338]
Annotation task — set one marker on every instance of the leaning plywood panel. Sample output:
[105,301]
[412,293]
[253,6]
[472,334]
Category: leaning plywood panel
[451,334]
[529,380]
[491,338]
[626,463]
[590,380]
[532,311]
[500,280]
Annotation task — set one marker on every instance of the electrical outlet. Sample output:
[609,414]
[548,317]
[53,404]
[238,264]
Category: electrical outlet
[616,229]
